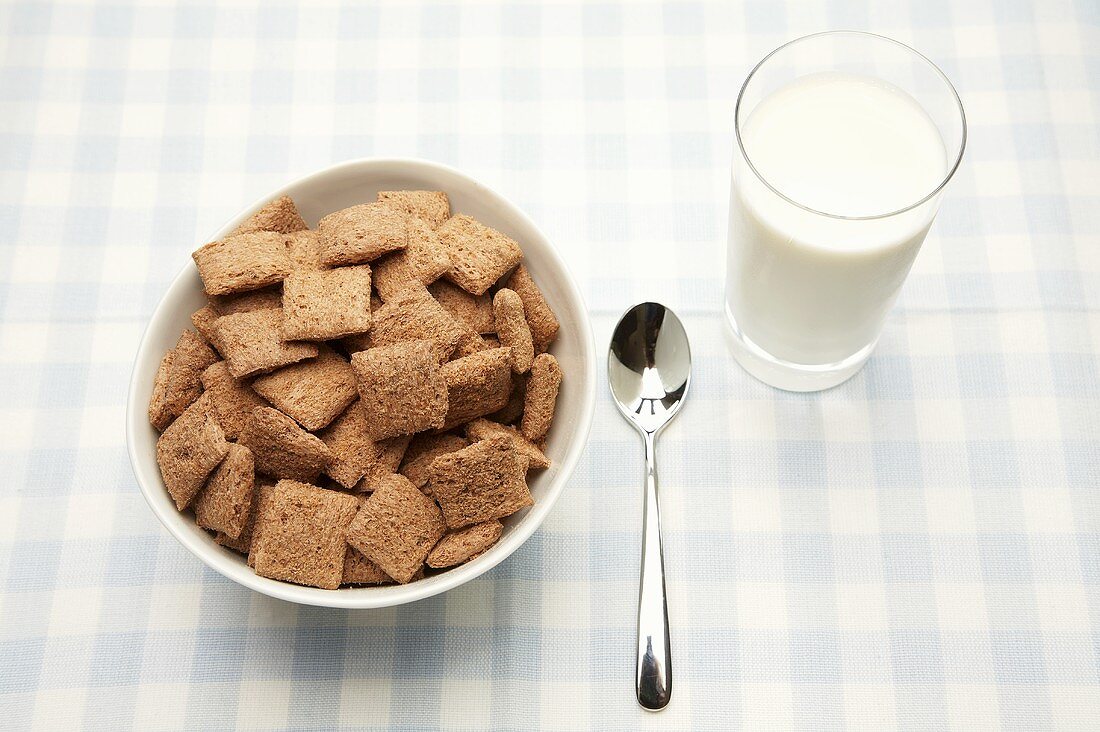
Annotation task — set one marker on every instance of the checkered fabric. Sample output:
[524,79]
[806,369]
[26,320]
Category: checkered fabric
[919,548]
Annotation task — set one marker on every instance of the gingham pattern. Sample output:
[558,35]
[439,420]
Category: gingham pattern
[919,548]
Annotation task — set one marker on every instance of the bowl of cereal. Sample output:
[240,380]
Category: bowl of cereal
[368,387]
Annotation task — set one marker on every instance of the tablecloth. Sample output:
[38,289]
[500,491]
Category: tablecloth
[918,548]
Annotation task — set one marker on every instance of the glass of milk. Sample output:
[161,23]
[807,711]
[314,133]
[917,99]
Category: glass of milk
[845,141]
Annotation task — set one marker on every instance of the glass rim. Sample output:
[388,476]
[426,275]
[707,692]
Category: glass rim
[939,72]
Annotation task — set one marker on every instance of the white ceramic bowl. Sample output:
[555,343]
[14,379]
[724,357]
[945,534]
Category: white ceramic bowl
[329,190]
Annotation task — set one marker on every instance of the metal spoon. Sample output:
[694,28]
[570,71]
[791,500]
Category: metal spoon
[649,366]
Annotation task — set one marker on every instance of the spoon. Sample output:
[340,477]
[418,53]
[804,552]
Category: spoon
[649,366]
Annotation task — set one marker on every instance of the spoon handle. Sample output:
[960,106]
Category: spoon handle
[654,671]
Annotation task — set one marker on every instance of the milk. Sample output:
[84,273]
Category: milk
[811,289]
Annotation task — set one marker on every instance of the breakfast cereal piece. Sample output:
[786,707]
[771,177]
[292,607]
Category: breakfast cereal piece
[512,329]
[540,318]
[511,412]
[477,385]
[261,497]
[479,255]
[281,448]
[252,342]
[391,452]
[268,297]
[468,344]
[541,397]
[397,527]
[242,262]
[432,206]
[393,276]
[279,215]
[465,544]
[353,451]
[361,233]
[481,482]
[188,450]
[224,503]
[421,263]
[304,249]
[358,570]
[231,400]
[476,311]
[301,536]
[176,385]
[203,319]
[423,450]
[313,392]
[483,429]
[401,388]
[323,304]
[416,316]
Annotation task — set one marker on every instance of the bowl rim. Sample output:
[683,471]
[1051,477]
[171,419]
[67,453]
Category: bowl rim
[364,598]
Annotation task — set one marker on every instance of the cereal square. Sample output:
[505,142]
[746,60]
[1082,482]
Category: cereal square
[322,304]
[540,318]
[361,233]
[475,311]
[481,482]
[242,262]
[541,398]
[358,570]
[483,429]
[432,206]
[389,458]
[423,450]
[203,319]
[421,263]
[224,503]
[267,297]
[301,536]
[261,496]
[512,329]
[279,215]
[313,392]
[304,250]
[281,448]
[252,342]
[397,527]
[231,400]
[511,412]
[177,385]
[353,450]
[188,450]
[479,255]
[401,388]
[416,316]
[465,544]
[477,385]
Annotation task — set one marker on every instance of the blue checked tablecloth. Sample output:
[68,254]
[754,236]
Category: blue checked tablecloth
[919,548]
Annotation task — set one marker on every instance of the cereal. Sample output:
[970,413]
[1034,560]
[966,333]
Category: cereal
[304,250]
[281,448]
[358,570]
[479,255]
[268,297]
[465,544]
[389,458]
[188,450]
[401,388]
[415,316]
[475,311]
[361,233]
[421,263]
[313,392]
[252,342]
[432,206]
[242,262]
[224,503]
[481,482]
[477,385]
[231,400]
[261,497]
[203,319]
[423,450]
[396,528]
[512,329]
[483,429]
[540,318]
[511,412]
[279,215]
[541,397]
[324,304]
[301,536]
[353,450]
[176,385]
[469,344]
